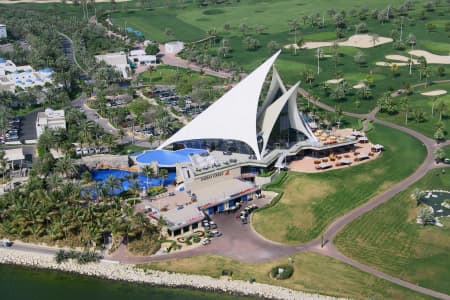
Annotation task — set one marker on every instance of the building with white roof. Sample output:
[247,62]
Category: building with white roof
[118,60]
[174,47]
[3,33]
[237,116]
[50,118]
[13,77]
[140,57]
[242,134]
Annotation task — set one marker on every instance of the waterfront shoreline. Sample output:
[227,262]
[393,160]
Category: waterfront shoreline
[131,274]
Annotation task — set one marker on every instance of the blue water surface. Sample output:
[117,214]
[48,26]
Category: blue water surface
[102,174]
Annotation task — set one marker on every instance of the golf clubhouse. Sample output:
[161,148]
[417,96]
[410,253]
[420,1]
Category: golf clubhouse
[218,155]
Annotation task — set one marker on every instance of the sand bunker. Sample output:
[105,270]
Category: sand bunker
[432,58]
[359,85]
[434,93]
[324,55]
[335,81]
[388,64]
[401,58]
[357,40]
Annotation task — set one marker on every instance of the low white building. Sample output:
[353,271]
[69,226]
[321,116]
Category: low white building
[12,76]
[3,34]
[118,60]
[50,118]
[174,47]
[140,57]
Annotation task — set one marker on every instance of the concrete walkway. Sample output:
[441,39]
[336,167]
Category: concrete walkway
[241,242]
[173,60]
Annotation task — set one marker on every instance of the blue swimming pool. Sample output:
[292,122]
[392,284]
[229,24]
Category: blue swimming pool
[101,175]
[166,158]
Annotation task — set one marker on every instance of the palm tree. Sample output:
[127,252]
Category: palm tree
[149,172]
[212,34]
[3,163]
[439,154]
[338,114]
[441,107]
[417,195]
[426,216]
[404,106]
[66,166]
[411,40]
[294,25]
[112,183]
[375,38]
[163,174]
[109,141]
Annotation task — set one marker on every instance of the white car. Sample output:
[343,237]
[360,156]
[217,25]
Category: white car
[6,243]
[205,241]
[216,233]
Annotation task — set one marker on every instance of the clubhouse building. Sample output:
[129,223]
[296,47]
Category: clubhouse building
[217,156]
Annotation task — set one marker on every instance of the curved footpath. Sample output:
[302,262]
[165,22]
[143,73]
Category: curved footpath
[245,244]
[129,273]
[267,250]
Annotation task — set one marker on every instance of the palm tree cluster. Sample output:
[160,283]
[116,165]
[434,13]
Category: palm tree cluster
[54,212]
[79,130]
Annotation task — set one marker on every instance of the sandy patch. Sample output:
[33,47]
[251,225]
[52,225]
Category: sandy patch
[388,64]
[432,58]
[401,58]
[434,93]
[335,81]
[365,41]
[359,85]
[325,55]
[49,1]
[357,40]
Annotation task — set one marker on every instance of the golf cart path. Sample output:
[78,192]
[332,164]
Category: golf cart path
[243,243]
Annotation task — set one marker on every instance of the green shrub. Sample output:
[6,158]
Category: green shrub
[195,238]
[227,273]
[287,273]
[267,174]
[156,190]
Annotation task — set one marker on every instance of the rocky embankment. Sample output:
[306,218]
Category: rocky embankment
[115,271]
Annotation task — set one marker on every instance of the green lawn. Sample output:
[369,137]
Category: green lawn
[312,273]
[447,151]
[389,239]
[182,79]
[124,149]
[424,103]
[191,23]
[312,201]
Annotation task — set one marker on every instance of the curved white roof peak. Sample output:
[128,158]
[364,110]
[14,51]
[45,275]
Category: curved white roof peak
[232,116]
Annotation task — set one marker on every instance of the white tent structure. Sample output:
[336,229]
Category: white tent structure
[236,116]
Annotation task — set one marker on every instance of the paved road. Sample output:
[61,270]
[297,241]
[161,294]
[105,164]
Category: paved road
[173,60]
[92,115]
[243,243]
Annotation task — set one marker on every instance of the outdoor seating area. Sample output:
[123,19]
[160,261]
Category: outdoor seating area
[328,139]
[340,156]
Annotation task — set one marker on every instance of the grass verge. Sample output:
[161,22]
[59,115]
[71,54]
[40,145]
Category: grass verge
[312,201]
[312,273]
[389,239]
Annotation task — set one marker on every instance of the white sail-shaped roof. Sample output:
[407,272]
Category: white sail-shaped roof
[273,111]
[233,116]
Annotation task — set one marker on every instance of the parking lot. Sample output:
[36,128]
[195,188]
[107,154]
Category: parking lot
[238,240]
[169,96]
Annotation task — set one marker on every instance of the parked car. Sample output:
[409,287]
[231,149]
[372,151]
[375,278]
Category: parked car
[205,241]
[215,233]
[6,243]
